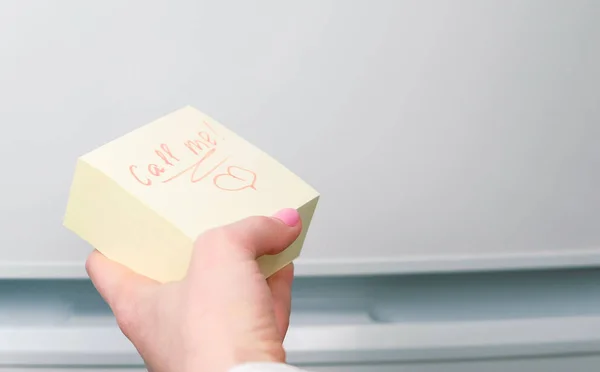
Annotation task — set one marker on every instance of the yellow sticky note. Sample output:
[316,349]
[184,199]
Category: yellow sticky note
[143,198]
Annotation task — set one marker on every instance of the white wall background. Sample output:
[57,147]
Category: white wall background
[438,132]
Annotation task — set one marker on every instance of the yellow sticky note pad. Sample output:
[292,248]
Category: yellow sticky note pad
[142,199]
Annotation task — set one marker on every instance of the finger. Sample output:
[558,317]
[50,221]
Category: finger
[118,285]
[280,284]
[251,237]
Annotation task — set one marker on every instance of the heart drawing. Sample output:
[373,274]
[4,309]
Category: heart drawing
[235,179]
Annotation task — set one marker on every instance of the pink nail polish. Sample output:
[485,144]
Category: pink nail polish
[289,216]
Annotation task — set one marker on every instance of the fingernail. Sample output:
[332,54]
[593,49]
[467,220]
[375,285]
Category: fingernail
[289,216]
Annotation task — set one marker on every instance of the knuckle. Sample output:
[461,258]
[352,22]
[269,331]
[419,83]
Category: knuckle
[276,351]
[238,235]
[211,240]
[217,236]
[127,318]
[261,222]
[234,237]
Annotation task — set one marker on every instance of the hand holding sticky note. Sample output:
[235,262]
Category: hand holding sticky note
[142,199]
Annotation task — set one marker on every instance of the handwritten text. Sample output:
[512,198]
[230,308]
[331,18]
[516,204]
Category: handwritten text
[199,158]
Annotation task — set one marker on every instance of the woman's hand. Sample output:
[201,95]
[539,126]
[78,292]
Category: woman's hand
[222,314]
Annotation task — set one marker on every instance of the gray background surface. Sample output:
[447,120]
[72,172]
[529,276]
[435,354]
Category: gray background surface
[441,134]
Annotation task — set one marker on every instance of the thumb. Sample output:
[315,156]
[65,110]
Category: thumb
[249,238]
[119,286]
